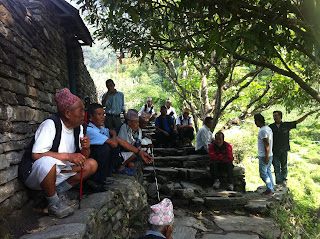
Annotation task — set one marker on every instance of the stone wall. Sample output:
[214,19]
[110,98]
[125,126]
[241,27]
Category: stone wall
[102,215]
[33,66]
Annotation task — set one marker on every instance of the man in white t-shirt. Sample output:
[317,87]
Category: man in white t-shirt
[149,108]
[204,137]
[57,172]
[265,142]
[170,110]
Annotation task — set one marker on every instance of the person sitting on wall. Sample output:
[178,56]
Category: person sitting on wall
[165,129]
[204,137]
[221,158]
[161,221]
[149,108]
[170,110]
[132,134]
[104,147]
[57,172]
[185,128]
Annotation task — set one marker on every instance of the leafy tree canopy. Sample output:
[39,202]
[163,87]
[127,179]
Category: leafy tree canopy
[280,35]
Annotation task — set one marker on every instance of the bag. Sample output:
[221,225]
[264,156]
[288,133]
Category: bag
[25,165]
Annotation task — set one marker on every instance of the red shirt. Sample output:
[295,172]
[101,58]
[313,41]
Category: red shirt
[221,154]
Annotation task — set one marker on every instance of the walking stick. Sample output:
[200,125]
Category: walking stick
[155,174]
[87,104]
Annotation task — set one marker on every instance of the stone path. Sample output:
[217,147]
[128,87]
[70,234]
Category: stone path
[206,213]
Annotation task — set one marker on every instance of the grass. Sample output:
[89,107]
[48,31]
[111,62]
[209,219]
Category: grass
[302,219]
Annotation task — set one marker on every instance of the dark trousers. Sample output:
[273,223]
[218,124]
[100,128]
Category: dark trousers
[217,167]
[108,160]
[202,151]
[112,122]
[186,133]
[164,140]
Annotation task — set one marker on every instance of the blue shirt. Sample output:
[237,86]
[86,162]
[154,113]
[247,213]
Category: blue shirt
[115,103]
[98,136]
[165,123]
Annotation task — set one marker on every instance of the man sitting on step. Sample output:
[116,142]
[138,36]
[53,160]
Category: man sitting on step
[166,130]
[204,137]
[221,158]
[104,147]
[149,108]
[132,134]
[56,171]
[185,128]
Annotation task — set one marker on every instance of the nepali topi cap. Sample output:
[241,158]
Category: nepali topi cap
[162,213]
[65,99]
[132,114]
[145,116]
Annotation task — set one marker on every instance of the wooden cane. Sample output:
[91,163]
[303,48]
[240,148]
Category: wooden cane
[87,104]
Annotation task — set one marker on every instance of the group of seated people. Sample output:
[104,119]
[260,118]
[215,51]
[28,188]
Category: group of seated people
[57,166]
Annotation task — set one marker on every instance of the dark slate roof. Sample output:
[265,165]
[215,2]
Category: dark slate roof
[72,21]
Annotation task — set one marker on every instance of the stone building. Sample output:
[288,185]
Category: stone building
[40,53]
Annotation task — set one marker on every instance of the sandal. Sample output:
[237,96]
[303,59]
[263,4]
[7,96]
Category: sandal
[126,171]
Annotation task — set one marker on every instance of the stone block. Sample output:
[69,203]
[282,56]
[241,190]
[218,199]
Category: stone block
[9,189]
[4,138]
[224,202]
[4,83]
[8,71]
[4,163]
[17,200]
[21,128]
[187,193]
[15,145]
[14,157]
[70,231]
[8,174]
[22,113]
[5,126]
[3,112]
[6,17]
[1,149]
[9,97]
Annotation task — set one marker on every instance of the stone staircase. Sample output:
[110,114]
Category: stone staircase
[184,177]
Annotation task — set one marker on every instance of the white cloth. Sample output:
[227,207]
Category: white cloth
[265,132]
[171,109]
[184,121]
[43,143]
[148,110]
[204,138]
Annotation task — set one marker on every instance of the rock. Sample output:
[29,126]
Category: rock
[230,236]
[152,190]
[168,188]
[193,186]
[67,231]
[198,201]
[187,193]
[258,205]
[265,227]
[224,202]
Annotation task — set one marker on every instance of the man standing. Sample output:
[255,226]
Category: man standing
[57,171]
[221,158]
[149,108]
[113,101]
[265,139]
[165,129]
[161,221]
[170,110]
[281,144]
[185,128]
[204,137]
